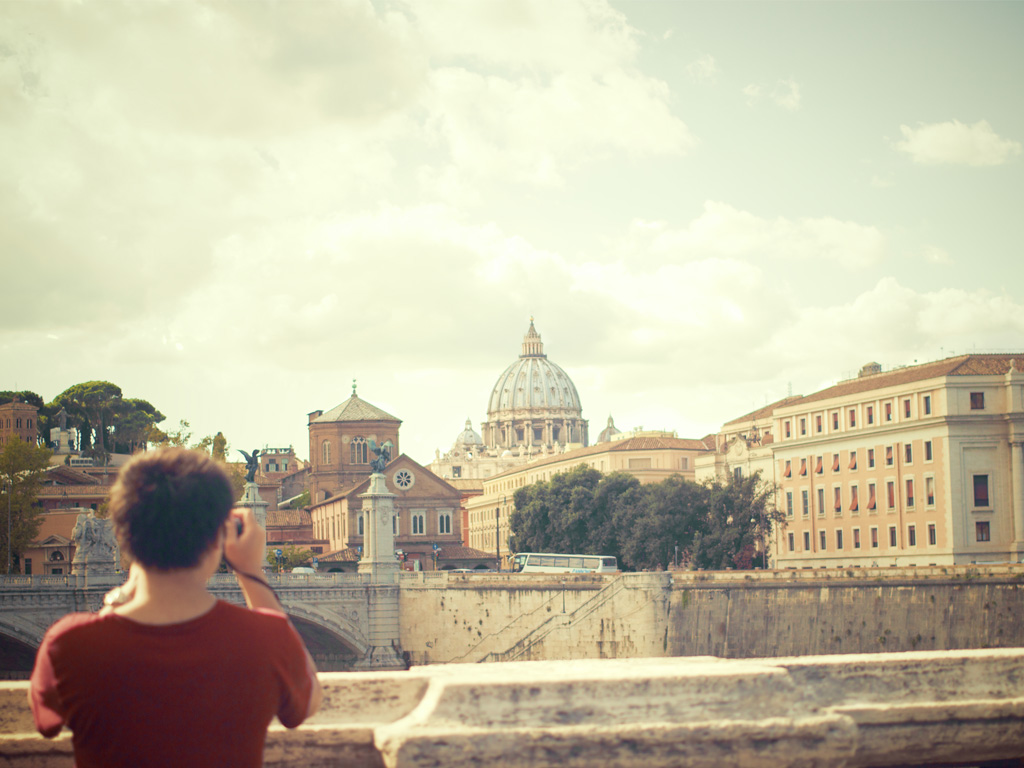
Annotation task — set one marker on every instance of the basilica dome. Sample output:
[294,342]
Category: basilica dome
[534,402]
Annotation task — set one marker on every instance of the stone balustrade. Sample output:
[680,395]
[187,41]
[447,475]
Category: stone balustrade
[884,709]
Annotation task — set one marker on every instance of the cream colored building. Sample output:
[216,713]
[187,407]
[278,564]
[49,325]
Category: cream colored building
[914,466]
[650,459]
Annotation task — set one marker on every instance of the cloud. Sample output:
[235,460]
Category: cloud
[722,230]
[785,93]
[954,143]
[703,70]
[934,255]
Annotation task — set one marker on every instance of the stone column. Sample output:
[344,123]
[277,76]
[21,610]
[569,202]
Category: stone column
[1017,491]
[381,566]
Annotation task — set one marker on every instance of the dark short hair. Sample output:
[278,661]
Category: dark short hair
[168,505]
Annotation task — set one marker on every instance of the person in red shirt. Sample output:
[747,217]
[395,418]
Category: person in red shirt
[170,675]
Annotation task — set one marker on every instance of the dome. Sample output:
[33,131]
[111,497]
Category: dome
[534,403]
[608,432]
[533,383]
[467,439]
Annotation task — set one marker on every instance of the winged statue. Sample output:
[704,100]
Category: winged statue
[251,464]
[382,452]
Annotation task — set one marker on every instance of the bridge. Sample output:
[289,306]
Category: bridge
[348,620]
[333,612]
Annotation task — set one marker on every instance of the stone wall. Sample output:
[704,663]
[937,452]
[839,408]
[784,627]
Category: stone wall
[501,617]
[891,709]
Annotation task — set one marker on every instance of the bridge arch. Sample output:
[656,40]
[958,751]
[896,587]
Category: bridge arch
[19,641]
[333,641]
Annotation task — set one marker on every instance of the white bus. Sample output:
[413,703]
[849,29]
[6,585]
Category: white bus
[543,562]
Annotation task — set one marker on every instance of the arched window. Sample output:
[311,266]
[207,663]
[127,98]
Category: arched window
[360,524]
[444,523]
[358,449]
[418,527]
[325,452]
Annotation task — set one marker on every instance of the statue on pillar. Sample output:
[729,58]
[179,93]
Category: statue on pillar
[251,464]
[382,454]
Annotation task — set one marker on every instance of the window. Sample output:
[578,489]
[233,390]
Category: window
[978,404]
[786,428]
[822,541]
[853,417]
[538,434]
[927,450]
[28,566]
[906,409]
[788,471]
[931,535]
[789,503]
[853,459]
[871,497]
[982,530]
[854,501]
[737,473]
[892,535]
[981,491]
[871,458]
[357,450]
[911,536]
[803,426]
[821,501]
[444,523]
[874,538]
[890,490]
[804,503]
[817,423]
[792,542]
[888,411]
[418,528]
[929,491]
[910,491]
[395,518]
[359,525]
[837,499]
[908,453]
[807,541]
[803,467]
[856,538]
[871,414]
[927,404]
[835,421]
[835,462]
[839,539]
[817,467]
[325,452]
[888,455]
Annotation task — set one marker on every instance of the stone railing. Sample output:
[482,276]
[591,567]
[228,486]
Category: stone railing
[945,708]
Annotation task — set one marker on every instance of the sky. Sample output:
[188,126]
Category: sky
[234,209]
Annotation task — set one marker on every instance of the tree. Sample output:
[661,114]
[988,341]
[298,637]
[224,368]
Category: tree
[92,404]
[554,516]
[22,466]
[291,556]
[133,421]
[654,519]
[737,525]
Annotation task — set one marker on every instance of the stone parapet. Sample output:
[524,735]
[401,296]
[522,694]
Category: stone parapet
[897,709]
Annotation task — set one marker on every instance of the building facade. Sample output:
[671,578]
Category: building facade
[919,465]
[18,422]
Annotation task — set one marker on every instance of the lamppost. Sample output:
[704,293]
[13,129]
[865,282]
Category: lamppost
[280,556]
[10,492]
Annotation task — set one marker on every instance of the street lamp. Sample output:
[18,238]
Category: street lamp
[497,537]
[10,492]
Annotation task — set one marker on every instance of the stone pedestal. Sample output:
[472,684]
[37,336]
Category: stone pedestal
[251,498]
[378,561]
[381,566]
[97,555]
